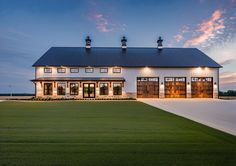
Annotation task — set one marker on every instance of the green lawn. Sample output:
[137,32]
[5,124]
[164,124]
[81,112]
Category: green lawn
[106,133]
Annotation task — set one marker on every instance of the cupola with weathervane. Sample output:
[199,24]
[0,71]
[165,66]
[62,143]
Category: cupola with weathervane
[88,42]
[123,42]
[159,43]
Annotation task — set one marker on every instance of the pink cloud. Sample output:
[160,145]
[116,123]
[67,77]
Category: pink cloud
[102,23]
[180,35]
[207,29]
[228,78]
[232,18]
[226,61]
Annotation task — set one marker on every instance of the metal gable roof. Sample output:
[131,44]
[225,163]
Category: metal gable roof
[131,57]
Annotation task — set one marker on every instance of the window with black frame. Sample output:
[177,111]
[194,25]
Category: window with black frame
[74,70]
[88,70]
[104,70]
[103,88]
[116,70]
[47,88]
[47,70]
[74,89]
[117,89]
[61,70]
[61,89]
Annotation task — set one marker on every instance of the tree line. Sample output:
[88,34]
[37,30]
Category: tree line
[228,93]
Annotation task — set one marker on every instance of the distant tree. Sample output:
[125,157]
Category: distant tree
[231,92]
[228,93]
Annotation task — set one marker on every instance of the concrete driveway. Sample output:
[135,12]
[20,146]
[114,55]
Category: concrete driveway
[219,114]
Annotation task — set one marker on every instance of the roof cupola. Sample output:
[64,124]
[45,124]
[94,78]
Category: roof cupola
[159,43]
[123,42]
[88,42]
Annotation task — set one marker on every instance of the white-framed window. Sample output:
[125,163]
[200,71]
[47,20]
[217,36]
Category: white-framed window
[47,70]
[104,70]
[180,79]
[201,79]
[74,70]
[116,70]
[88,70]
[61,70]
[169,79]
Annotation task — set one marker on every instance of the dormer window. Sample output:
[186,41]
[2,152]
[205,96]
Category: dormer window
[104,70]
[88,70]
[74,70]
[116,70]
[61,70]
[47,70]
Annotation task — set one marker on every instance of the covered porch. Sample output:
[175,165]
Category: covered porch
[80,87]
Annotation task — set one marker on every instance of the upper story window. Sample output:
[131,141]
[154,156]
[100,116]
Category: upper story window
[47,70]
[61,70]
[116,70]
[74,70]
[88,70]
[104,70]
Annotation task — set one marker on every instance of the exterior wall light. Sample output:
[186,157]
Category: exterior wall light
[215,85]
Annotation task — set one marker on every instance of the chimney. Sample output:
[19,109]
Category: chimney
[123,43]
[159,43]
[88,42]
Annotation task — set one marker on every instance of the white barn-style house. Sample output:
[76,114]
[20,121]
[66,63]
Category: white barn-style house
[126,72]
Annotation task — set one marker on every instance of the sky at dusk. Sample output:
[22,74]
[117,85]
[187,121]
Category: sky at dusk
[28,28]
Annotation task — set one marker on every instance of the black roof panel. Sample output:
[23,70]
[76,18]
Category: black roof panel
[131,57]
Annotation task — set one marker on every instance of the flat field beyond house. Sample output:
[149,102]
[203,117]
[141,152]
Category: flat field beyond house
[106,133]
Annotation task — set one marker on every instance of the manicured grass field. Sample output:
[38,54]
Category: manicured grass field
[106,133]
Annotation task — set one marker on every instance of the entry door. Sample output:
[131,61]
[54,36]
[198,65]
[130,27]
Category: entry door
[89,90]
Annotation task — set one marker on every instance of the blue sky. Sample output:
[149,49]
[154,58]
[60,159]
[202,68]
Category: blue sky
[28,28]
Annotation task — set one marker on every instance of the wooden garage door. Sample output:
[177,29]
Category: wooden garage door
[202,87]
[147,87]
[175,87]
